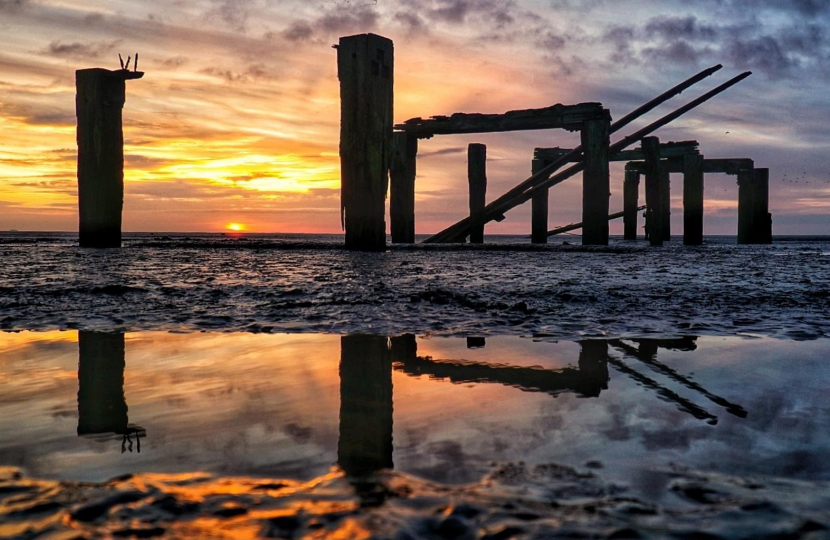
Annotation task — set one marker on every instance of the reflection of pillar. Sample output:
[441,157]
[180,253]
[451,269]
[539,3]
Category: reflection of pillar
[593,366]
[101,404]
[365,444]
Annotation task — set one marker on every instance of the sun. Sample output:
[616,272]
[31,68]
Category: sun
[237,227]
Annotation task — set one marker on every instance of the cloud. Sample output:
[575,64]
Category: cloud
[299,31]
[80,50]
[12,6]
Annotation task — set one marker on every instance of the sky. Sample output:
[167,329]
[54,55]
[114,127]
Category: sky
[237,117]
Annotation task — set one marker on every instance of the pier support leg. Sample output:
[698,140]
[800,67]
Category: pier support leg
[745,205]
[654,215]
[631,194]
[365,444]
[99,100]
[596,185]
[665,204]
[693,200]
[477,177]
[402,188]
[763,219]
[539,210]
[365,70]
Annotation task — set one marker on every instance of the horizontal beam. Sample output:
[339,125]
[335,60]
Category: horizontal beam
[575,226]
[570,117]
[667,150]
[726,166]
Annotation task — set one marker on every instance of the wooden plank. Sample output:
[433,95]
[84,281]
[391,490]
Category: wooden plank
[631,193]
[99,100]
[365,70]
[402,171]
[539,211]
[596,185]
[667,150]
[556,116]
[730,166]
[653,172]
[693,200]
[477,178]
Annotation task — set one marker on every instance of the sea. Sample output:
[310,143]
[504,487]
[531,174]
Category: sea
[279,386]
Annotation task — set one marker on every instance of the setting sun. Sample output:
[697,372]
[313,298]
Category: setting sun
[236,227]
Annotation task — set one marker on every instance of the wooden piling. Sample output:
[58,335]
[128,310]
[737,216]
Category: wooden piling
[365,70]
[99,100]
[653,169]
[762,233]
[365,444]
[402,188]
[631,194]
[539,210]
[665,203]
[693,200]
[102,407]
[745,205]
[477,178]
[596,185]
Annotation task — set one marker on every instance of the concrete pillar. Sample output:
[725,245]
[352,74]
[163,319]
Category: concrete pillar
[763,219]
[653,170]
[365,443]
[745,205]
[596,185]
[665,203]
[693,200]
[539,209]
[631,194]
[477,178]
[402,188]
[365,70]
[99,100]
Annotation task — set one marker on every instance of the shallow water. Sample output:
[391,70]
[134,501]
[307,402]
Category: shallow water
[318,435]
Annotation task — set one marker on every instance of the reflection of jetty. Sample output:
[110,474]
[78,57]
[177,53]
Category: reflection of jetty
[102,408]
[374,157]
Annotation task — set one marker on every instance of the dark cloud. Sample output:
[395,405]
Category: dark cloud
[347,20]
[230,13]
[251,72]
[80,50]
[173,62]
[409,19]
[12,6]
[442,152]
[679,28]
[299,31]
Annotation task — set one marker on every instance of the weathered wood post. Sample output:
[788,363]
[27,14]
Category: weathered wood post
[763,219]
[596,184]
[477,177]
[693,200]
[746,201]
[365,70]
[539,209]
[365,443]
[665,203]
[402,188]
[99,100]
[654,214]
[102,407]
[631,194]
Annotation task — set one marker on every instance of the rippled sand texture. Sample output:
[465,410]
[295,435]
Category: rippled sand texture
[629,290]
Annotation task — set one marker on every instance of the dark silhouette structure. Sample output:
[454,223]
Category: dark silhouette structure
[365,69]
[99,100]
[102,408]
[477,178]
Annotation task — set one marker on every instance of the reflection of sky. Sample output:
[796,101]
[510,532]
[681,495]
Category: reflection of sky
[269,405]
[237,118]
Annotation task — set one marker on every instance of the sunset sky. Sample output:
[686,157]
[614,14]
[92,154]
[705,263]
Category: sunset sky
[237,118]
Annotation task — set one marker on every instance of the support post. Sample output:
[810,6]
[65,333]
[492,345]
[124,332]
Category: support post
[402,188]
[596,185]
[99,100]
[762,233]
[654,225]
[365,444]
[631,194]
[693,200]
[477,177]
[665,203]
[745,205]
[539,210]
[365,70]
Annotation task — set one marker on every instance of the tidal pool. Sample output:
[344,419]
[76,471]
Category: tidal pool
[476,422]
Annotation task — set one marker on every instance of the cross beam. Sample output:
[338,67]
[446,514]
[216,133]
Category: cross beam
[667,150]
[728,166]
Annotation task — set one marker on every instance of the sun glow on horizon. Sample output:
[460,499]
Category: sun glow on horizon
[236,227]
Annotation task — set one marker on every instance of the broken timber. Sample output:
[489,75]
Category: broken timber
[99,100]
[542,179]
[575,226]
